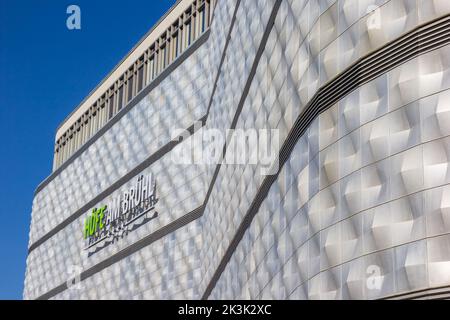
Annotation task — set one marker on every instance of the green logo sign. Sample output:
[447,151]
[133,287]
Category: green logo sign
[128,210]
[94,222]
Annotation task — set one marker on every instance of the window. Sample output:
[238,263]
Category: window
[111,106]
[130,89]
[189,31]
[78,135]
[164,57]
[140,78]
[151,69]
[176,39]
[120,99]
[203,15]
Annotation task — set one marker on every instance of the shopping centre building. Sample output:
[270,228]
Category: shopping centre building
[351,201]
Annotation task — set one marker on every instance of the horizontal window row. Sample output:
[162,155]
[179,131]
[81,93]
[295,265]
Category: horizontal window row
[175,40]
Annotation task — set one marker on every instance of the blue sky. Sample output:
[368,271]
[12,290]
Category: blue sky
[45,72]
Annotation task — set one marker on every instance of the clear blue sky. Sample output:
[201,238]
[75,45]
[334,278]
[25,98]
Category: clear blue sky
[45,72]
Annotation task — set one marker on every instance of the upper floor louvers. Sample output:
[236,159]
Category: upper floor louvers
[181,31]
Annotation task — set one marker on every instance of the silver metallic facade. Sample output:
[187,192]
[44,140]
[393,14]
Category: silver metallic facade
[365,184]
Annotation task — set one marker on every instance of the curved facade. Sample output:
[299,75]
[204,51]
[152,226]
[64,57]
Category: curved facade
[355,205]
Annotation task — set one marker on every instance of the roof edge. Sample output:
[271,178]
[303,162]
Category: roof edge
[118,65]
